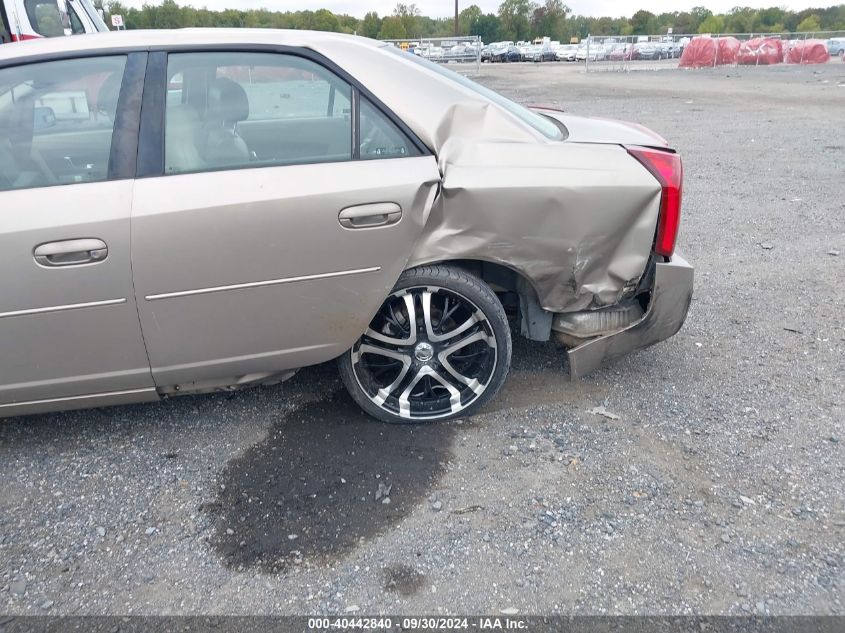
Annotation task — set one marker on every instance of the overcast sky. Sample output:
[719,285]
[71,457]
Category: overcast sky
[443,8]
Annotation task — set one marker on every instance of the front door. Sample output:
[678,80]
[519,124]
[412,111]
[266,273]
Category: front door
[69,327]
[287,207]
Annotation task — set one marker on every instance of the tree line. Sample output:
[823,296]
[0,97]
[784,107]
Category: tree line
[515,20]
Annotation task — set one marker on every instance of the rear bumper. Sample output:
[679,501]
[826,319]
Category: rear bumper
[670,301]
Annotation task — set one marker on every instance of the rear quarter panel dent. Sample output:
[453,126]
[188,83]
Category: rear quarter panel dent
[576,220]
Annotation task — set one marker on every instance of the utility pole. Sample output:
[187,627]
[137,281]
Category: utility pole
[457,26]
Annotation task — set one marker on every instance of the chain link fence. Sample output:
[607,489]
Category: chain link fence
[444,50]
[652,52]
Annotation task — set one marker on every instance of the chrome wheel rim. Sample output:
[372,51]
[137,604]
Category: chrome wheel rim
[429,353]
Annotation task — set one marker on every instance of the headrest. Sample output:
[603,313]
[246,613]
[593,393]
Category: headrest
[227,101]
[21,123]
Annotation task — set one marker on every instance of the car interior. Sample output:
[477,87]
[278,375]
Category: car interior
[56,121]
[265,109]
[57,118]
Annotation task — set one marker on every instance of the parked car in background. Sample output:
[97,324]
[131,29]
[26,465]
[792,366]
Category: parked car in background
[593,52]
[836,46]
[206,210]
[674,49]
[620,52]
[460,53]
[32,19]
[566,53]
[505,53]
[496,49]
[429,51]
[648,50]
[666,49]
[544,53]
[526,51]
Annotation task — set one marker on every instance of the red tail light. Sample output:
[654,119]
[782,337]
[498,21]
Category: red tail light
[666,167]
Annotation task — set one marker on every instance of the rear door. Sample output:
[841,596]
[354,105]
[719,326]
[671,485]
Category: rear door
[283,207]
[69,327]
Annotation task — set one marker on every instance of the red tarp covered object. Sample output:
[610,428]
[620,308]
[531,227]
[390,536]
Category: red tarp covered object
[807,52]
[702,52]
[761,51]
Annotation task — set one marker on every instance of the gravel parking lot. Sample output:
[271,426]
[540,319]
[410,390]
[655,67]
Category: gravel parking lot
[710,479]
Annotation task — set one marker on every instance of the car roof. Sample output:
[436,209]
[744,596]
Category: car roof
[423,103]
[141,39]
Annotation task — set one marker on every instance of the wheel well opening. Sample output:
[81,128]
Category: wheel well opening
[500,278]
[517,294]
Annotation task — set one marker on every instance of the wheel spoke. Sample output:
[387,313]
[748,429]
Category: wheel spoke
[385,392]
[463,327]
[426,309]
[472,383]
[429,327]
[394,355]
[447,311]
[455,395]
[393,318]
[412,320]
[472,338]
[369,348]
[427,370]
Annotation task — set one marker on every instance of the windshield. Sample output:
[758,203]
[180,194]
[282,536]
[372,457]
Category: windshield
[542,124]
[94,15]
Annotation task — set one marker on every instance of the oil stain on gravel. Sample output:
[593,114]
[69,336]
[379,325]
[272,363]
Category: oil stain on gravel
[325,478]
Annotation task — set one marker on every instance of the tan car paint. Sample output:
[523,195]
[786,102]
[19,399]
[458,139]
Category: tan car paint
[72,330]
[577,221]
[312,286]
[220,304]
[575,218]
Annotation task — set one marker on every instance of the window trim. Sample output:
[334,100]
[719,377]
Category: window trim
[127,122]
[42,58]
[151,137]
[71,13]
[150,161]
[124,138]
[355,113]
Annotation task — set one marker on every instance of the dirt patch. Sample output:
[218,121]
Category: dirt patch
[403,579]
[325,478]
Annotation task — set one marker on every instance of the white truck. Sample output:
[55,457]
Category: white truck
[30,19]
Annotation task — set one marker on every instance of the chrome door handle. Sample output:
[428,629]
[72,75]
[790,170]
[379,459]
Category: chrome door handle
[367,216]
[71,252]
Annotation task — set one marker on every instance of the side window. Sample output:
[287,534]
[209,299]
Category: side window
[44,17]
[57,120]
[228,110]
[380,138]
[76,27]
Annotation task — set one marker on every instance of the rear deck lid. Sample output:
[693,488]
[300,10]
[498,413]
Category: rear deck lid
[609,131]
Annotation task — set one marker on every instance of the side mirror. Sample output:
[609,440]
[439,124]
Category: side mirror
[44,117]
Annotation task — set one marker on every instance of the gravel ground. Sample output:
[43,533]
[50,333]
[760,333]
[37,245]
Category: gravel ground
[716,487]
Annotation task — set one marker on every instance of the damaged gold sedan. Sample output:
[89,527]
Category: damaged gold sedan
[211,209]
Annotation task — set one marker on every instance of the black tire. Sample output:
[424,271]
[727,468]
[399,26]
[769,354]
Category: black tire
[414,377]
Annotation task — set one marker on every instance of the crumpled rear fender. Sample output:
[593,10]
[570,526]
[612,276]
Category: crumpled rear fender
[671,296]
[576,220]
